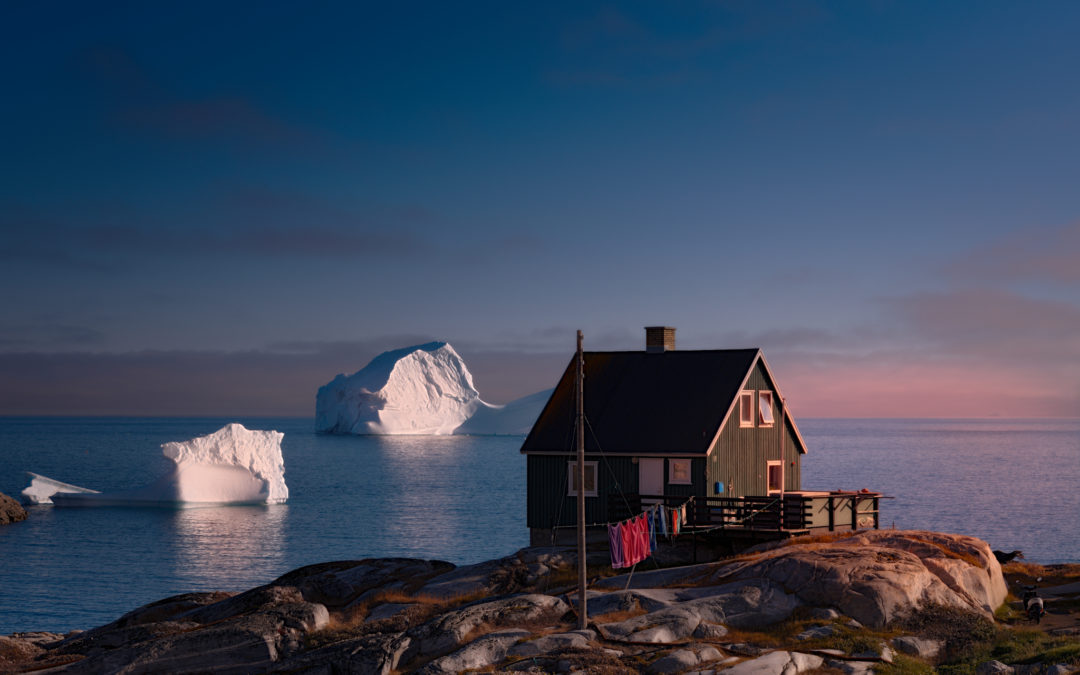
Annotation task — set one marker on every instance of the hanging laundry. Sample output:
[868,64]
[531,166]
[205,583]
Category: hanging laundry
[643,533]
[629,542]
[615,539]
[639,537]
[650,519]
[661,520]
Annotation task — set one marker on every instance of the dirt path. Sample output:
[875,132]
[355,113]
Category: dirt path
[1059,590]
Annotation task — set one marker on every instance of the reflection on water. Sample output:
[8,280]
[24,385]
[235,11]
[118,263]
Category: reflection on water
[220,547]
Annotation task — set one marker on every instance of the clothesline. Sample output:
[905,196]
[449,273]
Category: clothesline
[605,524]
[634,539]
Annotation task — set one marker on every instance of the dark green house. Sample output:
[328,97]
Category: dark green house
[661,423]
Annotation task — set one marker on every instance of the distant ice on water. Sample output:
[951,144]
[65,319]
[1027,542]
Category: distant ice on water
[233,465]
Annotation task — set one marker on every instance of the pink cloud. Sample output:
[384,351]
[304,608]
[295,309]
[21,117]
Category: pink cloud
[897,386]
[1032,254]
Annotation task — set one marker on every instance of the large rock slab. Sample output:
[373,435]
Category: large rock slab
[552,644]
[337,584]
[250,642]
[742,604]
[480,653]
[777,663]
[876,576]
[377,654]
[450,631]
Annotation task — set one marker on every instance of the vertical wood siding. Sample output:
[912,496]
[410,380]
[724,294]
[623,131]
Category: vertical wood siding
[738,459]
[547,504]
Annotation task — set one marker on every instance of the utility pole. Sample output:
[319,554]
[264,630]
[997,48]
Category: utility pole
[583,617]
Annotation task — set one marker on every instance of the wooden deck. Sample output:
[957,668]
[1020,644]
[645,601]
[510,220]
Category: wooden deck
[768,517]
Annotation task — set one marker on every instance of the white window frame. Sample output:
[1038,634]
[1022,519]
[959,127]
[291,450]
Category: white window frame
[571,467]
[671,472]
[765,395]
[746,405]
[769,464]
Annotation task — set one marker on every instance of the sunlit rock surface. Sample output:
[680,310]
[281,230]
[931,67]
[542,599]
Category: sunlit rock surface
[406,615]
[426,390]
[233,465]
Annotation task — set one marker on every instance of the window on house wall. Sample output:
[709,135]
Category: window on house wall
[679,472]
[746,409]
[765,410]
[776,476]
[572,479]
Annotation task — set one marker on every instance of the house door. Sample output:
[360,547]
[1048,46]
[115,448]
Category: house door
[650,478]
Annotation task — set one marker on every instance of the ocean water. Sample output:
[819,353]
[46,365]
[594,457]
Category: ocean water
[462,499]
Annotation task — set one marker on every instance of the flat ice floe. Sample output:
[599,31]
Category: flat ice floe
[233,465]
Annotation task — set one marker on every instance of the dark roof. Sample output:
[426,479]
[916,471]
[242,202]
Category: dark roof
[668,403]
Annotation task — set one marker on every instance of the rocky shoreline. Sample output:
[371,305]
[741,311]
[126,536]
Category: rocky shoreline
[11,511]
[849,604]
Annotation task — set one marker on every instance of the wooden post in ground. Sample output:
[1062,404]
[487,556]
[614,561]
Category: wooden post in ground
[583,617]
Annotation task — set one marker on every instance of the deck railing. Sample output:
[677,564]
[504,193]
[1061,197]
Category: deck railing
[788,511]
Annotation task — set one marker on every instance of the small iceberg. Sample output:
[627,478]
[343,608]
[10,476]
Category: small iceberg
[233,465]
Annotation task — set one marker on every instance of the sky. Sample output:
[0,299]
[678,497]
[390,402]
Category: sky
[214,208]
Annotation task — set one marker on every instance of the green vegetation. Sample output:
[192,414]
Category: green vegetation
[971,639]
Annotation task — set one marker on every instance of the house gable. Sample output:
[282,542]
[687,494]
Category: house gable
[739,456]
[758,378]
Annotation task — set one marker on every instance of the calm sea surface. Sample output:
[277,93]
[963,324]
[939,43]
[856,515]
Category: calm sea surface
[1012,482]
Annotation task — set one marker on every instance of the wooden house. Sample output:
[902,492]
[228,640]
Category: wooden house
[667,425]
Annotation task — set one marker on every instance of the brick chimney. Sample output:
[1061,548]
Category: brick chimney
[659,339]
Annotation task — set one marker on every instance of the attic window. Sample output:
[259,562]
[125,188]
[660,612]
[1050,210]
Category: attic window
[679,472]
[572,479]
[746,409]
[765,413]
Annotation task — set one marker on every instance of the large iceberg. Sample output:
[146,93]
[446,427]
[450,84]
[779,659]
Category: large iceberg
[425,389]
[233,465]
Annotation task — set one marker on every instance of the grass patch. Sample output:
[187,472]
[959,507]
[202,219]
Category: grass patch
[823,538]
[971,639]
[904,665]
[353,623]
[618,615]
[1052,575]
[961,631]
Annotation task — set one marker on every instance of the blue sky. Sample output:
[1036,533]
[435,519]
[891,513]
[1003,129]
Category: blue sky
[213,208]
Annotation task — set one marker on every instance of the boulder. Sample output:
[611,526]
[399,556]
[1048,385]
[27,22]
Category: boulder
[553,644]
[481,653]
[450,631]
[14,650]
[875,576]
[10,510]
[816,632]
[922,648]
[777,663]
[852,667]
[682,660]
